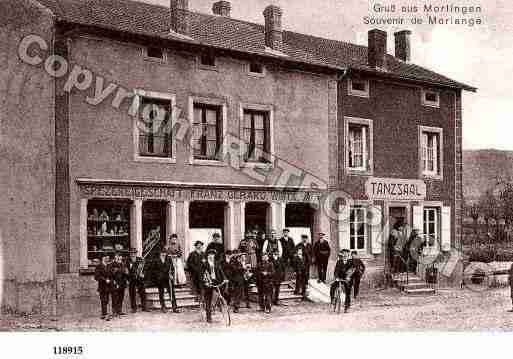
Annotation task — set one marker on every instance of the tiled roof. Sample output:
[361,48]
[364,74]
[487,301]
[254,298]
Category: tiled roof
[228,33]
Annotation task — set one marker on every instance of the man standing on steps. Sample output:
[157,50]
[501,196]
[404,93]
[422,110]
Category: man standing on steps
[322,252]
[288,246]
[164,275]
[136,280]
[218,246]
[195,263]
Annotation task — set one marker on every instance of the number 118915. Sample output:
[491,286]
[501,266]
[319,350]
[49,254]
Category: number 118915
[68,350]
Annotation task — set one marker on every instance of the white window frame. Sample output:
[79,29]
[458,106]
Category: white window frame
[256,107]
[353,92]
[368,159]
[162,60]
[435,104]
[256,74]
[437,173]
[437,207]
[224,114]
[138,94]
[365,209]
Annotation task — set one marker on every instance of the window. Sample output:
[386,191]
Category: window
[358,87]
[431,226]
[208,60]
[207,131]
[358,145]
[430,98]
[155,128]
[256,68]
[256,135]
[108,229]
[357,228]
[155,53]
[431,154]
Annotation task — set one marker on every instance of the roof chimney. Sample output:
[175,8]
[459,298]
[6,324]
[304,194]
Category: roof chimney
[179,10]
[402,45]
[222,8]
[377,48]
[273,31]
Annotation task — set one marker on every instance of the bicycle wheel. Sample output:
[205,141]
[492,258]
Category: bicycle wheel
[224,310]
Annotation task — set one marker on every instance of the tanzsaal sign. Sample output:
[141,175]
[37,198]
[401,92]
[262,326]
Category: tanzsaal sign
[395,189]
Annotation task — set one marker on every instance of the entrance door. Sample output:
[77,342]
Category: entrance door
[154,228]
[255,216]
[397,218]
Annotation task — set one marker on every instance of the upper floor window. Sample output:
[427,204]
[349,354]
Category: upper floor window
[155,128]
[358,228]
[256,132]
[256,68]
[359,145]
[358,87]
[431,151]
[207,59]
[430,98]
[207,131]
[156,53]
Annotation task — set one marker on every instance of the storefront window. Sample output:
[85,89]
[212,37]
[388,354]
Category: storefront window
[357,228]
[108,229]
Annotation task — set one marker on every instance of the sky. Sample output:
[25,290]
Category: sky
[480,56]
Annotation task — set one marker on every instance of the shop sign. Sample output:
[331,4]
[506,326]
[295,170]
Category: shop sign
[199,194]
[395,189]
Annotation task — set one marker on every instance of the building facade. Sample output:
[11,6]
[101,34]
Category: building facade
[168,121]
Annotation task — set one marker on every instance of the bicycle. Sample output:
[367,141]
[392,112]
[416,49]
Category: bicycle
[336,302]
[218,303]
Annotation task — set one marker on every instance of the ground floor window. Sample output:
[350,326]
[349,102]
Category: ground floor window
[108,229]
[431,225]
[358,228]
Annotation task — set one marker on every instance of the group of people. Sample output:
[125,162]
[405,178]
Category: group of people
[263,261]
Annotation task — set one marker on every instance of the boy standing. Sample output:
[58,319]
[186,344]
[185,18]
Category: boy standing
[265,277]
[300,265]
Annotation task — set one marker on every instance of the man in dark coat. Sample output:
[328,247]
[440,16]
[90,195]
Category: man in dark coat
[212,275]
[195,263]
[265,276]
[359,270]
[343,276]
[300,265]
[163,271]
[119,282]
[136,280]
[218,246]
[279,276]
[103,276]
[234,272]
[307,253]
[322,252]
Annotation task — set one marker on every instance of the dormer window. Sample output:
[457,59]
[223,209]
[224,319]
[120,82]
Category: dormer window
[358,87]
[430,98]
[154,53]
[256,68]
[207,60]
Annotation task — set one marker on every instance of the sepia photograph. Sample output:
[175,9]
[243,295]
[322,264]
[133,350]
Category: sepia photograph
[196,166]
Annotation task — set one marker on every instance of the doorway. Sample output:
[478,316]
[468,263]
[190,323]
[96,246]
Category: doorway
[205,219]
[153,228]
[255,216]
[398,223]
[299,219]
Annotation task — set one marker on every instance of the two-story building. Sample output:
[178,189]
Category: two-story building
[159,120]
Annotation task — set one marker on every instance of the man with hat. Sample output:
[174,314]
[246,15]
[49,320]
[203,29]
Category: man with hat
[212,275]
[234,272]
[135,267]
[288,245]
[322,252]
[103,276]
[218,246]
[195,263]
[164,277]
[343,275]
[306,247]
[119,281]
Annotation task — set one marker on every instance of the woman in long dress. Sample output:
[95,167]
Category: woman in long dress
[174,250]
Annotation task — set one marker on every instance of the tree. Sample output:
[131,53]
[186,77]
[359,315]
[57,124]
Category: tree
[506,204]
[489,207]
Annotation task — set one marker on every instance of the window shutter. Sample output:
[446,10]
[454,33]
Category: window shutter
[351,148]
[343,227]
[376,230]
[424,151]
[418,218]
[435,154]
[364,147]
[446,228]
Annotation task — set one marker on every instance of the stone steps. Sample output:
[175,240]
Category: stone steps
[413,286]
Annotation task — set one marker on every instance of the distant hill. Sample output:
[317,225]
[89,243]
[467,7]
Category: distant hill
[481,168]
